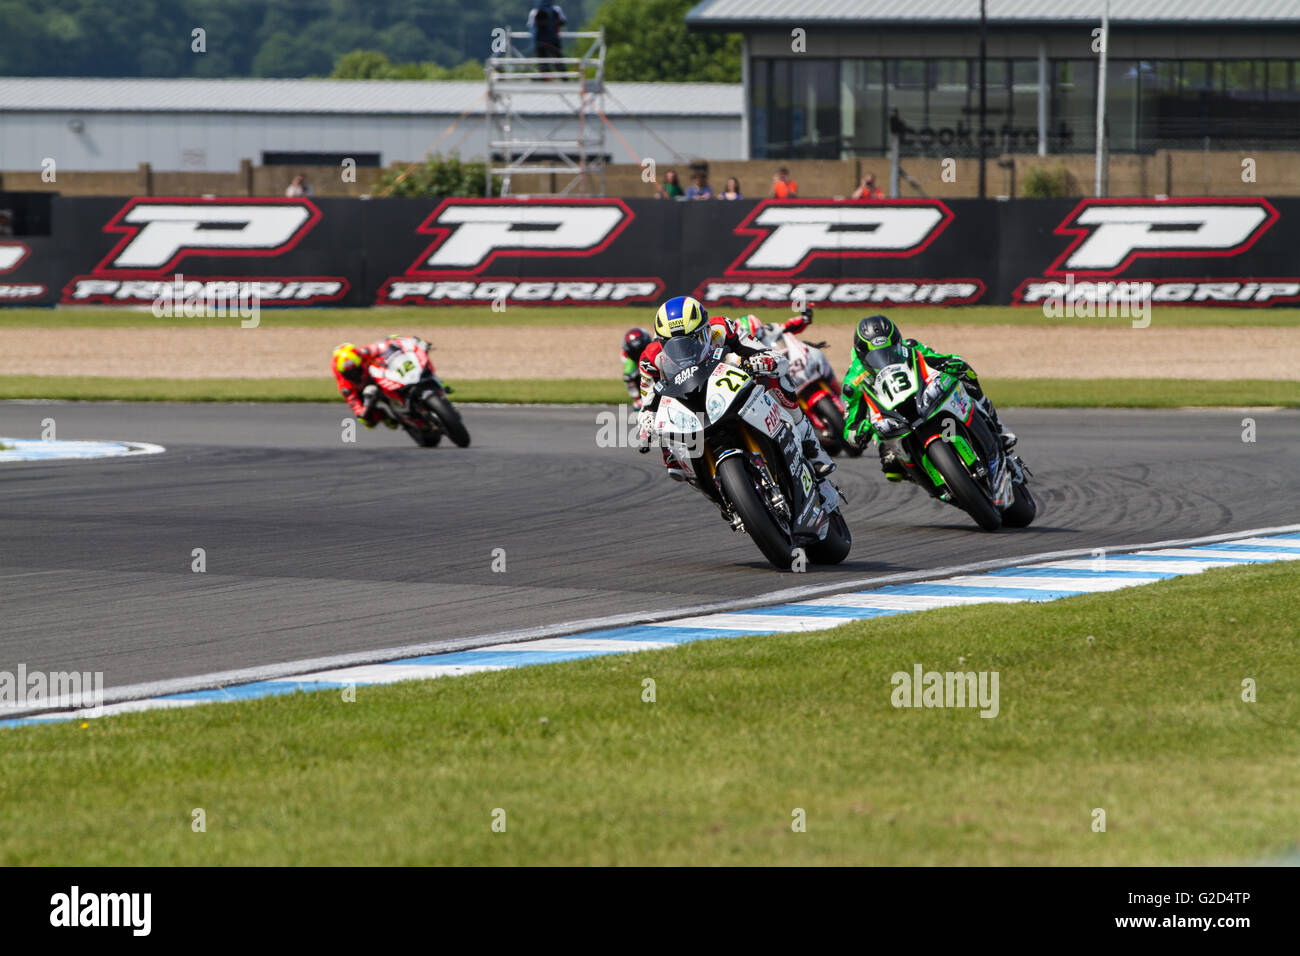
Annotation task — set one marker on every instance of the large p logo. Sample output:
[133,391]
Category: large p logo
[477,232]
[162,233]
[794,233]
[1112,234]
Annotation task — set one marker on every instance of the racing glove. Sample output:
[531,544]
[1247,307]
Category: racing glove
[800,322]
[645,423]
[765,365]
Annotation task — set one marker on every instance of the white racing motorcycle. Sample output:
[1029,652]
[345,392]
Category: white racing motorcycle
[818,390]
[738,449]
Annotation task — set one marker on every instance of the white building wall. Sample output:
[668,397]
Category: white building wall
[217,141]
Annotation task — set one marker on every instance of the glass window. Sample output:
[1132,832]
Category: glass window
[907,92]
[1151,76]
[778,136]
[951,98]
[758,92]
[1020,131]
[1122,105]
[815,120]
[1194,76]
[1278,78]
[862,106]
[1074,106]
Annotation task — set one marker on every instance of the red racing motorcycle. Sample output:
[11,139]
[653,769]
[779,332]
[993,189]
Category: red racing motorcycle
[408,390]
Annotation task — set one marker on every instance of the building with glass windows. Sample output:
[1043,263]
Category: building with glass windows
[822,77]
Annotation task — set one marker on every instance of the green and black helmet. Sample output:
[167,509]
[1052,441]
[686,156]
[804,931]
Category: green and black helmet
[876,332]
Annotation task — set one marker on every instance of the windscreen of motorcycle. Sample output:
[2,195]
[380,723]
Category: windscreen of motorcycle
[896,378]
[682,362]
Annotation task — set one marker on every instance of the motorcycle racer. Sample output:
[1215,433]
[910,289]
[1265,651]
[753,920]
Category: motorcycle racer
[351,365]
[685,316]
[770,333]
[878,332]
[634,343]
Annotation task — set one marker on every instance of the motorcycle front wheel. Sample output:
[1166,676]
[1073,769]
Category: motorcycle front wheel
[449,418]
[966,493]
[760,524]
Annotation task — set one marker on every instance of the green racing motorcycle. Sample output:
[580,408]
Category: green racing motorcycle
[944,439]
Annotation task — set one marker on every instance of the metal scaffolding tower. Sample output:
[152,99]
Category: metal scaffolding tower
[545,115]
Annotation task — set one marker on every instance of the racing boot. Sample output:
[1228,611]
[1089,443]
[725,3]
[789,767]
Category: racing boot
[822,465]
[1008,437]
[892,466]
[675,470]
[976,392]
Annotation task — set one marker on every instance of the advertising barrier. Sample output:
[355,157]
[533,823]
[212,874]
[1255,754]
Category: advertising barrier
[556,251]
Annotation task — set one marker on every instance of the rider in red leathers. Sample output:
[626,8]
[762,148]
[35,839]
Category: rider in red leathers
[351,373]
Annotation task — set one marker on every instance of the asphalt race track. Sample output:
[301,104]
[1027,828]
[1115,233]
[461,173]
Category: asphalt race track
[314,546]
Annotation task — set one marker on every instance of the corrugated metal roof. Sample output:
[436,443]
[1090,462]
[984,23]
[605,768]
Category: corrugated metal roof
[403,97]
[866,12]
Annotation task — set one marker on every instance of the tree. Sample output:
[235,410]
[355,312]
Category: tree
[438,176]
[374,65]
[647,40]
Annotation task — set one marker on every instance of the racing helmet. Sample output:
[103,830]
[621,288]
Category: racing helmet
[682,316]
[875,332]
[635,342]
[348,361]
[750,325]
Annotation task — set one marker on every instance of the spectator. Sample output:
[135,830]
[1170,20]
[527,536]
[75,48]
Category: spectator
[698,189]
[544,22]
[783,187]
[672,187]
[867,189]
[731,190]
[298,188]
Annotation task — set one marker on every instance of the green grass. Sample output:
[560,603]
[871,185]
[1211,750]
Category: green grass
[1144,721]
[1008,393]
[396,319]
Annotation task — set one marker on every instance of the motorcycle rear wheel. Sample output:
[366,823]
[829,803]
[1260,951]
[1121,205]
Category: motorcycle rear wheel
[835,547]
[760,525]
[834,422]
[424,437]
[1022,511]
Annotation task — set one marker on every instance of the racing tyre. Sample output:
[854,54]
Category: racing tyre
[834,422]
[424,437]
[1022,510]
[966,493]
[834,548]
[760,524]
[450,419]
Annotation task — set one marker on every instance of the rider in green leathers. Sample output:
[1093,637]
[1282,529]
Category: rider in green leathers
[878,332]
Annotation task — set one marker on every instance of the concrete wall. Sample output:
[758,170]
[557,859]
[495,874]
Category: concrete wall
[1172,173]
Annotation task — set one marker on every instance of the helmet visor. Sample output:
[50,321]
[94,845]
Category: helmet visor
[876,359]
[681,352]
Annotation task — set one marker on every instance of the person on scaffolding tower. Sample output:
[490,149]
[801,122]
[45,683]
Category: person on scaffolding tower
[544,22]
